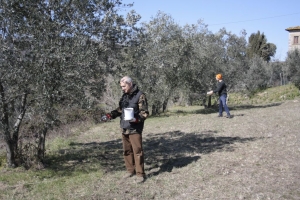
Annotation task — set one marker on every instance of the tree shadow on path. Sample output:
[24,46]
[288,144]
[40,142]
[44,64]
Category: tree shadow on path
[163,152]
[177,149]
[215,109]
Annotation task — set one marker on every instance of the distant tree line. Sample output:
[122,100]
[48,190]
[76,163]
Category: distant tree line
[62,55]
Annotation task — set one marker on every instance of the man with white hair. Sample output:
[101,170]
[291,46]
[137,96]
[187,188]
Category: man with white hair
[132,129]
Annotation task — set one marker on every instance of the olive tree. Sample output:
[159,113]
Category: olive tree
[256,77]
[55,53]
[153,60]
[234,64]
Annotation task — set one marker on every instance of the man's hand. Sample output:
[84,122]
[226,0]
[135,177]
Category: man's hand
[106,117]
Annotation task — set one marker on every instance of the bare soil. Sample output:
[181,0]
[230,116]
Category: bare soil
[254,155]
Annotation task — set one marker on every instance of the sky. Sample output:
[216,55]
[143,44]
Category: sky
[270,17]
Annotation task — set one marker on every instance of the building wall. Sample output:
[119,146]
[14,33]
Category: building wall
[293,33]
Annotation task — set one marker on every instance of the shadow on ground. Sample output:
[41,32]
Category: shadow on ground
[215,109]
[245,107]
[163,152]
[178,149]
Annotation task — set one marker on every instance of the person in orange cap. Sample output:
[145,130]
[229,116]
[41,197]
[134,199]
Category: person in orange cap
[222,92]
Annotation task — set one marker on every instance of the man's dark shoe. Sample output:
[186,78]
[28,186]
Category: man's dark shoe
[220,115]
[228,116]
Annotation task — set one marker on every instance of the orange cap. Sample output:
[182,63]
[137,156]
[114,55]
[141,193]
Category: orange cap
[219,76]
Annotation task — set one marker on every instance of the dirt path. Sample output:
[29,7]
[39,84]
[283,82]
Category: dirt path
[254,155]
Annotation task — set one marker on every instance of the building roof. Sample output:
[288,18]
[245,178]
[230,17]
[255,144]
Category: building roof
[295,28]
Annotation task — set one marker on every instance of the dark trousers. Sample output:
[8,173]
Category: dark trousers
[222,104]
[133,153]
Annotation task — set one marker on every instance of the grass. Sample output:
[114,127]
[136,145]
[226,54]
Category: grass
[271,95]
[189,154]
